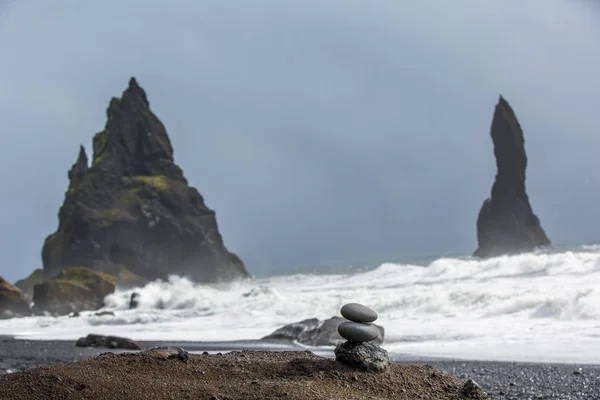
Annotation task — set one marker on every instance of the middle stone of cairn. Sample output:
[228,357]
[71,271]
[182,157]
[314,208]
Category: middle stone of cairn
[358,352]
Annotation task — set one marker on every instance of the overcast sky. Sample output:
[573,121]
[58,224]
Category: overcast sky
[321,131]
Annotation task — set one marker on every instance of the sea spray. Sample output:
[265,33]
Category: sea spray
[543,306]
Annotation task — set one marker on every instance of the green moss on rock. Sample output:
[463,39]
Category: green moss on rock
[126,205]
[159,182]
[73,289]
[83,275]
[99,144]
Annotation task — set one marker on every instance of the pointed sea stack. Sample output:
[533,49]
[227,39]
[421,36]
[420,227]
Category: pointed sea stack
[132,209]
[506,223]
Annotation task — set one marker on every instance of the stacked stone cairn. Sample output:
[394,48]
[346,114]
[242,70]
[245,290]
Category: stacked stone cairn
[358,351]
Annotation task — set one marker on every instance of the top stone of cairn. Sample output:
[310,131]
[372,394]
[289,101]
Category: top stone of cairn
[358,313]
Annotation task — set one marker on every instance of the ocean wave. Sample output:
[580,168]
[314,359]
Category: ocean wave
[550,296]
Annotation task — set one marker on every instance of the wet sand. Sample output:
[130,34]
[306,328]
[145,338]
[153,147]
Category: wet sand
[501,380]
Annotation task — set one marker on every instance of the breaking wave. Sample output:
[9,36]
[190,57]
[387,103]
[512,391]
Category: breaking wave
[542,306]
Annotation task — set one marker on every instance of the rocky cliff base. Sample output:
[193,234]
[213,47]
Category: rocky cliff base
[132,210]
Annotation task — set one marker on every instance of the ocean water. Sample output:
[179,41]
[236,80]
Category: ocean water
[530,307]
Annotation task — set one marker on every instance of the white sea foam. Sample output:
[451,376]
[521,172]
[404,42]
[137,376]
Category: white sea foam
[531,307]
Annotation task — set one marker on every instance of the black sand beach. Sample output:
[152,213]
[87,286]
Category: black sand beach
[501,380]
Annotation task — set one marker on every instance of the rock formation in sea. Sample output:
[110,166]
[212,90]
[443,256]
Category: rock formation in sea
[131,212]
[506,223]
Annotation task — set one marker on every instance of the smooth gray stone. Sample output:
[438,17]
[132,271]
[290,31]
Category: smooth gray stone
[358,332]
[358,313]
[365,356]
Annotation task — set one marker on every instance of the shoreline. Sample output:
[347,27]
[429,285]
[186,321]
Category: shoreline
[500,379]
[194,346]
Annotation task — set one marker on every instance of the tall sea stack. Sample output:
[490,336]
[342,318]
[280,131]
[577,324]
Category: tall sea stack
[133,210]
[506,223]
